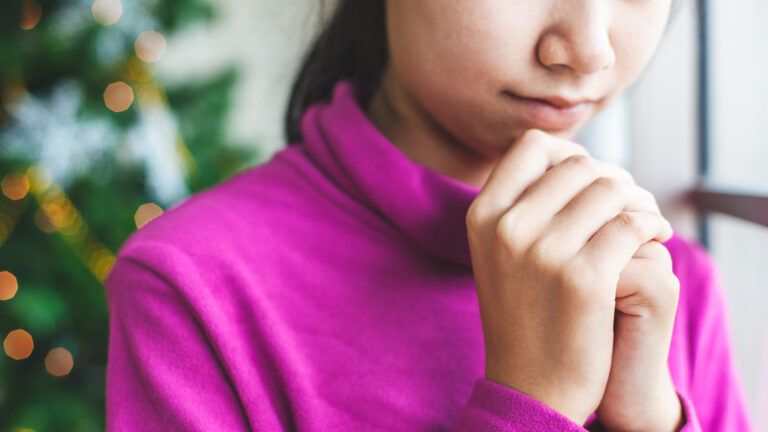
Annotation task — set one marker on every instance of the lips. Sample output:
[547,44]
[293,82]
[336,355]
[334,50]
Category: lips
[551,113]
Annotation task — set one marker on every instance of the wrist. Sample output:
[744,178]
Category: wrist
[566,403]
[661,410]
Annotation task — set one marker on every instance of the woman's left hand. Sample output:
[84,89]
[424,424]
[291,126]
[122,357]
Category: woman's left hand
[640,395]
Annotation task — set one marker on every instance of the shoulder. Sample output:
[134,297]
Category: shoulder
[219,233]
[244,208]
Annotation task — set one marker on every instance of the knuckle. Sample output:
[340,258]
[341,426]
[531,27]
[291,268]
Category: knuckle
[629,221]
[608,184]
[506,228]
[477,215]
[581,161]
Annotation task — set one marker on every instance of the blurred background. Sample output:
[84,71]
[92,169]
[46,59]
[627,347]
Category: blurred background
[112,111]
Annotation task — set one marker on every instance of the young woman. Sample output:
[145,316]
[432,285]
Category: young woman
[431,251]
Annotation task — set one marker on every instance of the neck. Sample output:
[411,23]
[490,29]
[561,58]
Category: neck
[419,136]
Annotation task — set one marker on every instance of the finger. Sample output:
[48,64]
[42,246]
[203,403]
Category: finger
[657,252]
[645,287]
[549,194]
[610,248]
[594,207]
[525,161]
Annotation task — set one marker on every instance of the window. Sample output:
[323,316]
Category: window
[733,166]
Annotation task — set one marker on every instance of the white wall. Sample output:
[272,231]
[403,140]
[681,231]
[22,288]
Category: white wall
[265,40]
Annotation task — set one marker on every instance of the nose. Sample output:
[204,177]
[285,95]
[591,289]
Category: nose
[578,38]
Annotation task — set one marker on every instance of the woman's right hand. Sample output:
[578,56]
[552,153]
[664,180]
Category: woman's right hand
[549,234]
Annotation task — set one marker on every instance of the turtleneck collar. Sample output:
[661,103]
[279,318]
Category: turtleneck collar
[425,205]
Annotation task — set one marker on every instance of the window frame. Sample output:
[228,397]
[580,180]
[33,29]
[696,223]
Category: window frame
[706,196]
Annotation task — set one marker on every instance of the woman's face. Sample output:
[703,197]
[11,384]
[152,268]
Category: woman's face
[468,63]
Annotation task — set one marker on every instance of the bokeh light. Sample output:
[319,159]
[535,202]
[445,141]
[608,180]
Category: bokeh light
[59,362]
[145,213]
[31,12]
[15,186]
[43,222]
[118,96]
[18,345]
[60,212]
[8,285]
[107,12]
[39,179]
[101,263]
[150,46]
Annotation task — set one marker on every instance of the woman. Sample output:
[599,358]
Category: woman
[431,252]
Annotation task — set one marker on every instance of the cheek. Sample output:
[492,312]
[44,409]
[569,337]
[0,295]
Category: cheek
[453,45]
[636,41]
[454,57]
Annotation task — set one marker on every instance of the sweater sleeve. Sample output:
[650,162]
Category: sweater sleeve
[495,407]
[162,372]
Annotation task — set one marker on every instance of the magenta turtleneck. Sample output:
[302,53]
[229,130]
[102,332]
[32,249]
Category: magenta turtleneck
[330,288]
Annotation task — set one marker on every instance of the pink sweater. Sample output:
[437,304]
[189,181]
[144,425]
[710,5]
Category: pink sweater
[330,288]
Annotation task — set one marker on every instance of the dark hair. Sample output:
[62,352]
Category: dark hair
[353,45]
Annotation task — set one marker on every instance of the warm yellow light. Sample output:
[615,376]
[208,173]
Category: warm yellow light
[118,96]
[59,214]
[18,345]
[107,12]
[103,266]
[8,285]
[15,186]
[145,213]
[150,46]
[43,221]
[31,12]
[39,178]
[59,362]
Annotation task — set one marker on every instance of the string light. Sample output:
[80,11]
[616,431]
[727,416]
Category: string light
[59,362]
[15,186]
[18,344]
[8,285]
[39,179]
[107,12]
[43,223]
[145,213]
[31,12]
[118,96]
[57,213]
[66,219]
[150,46]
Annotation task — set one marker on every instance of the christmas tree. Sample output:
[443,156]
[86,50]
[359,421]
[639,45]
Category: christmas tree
[92,147]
